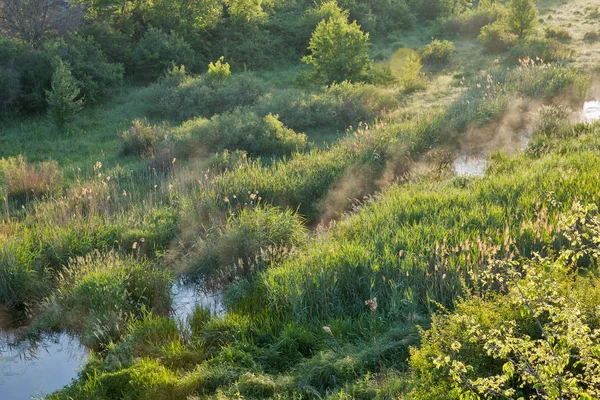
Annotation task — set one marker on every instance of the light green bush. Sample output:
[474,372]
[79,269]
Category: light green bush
[438,52]
[496,38]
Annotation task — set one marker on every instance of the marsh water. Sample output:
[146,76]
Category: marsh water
[474,161]
[33,368]
[29,369]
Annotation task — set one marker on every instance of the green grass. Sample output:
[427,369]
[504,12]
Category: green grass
[315,310]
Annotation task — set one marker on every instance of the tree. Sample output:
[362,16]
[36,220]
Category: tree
[33,21]
[339,50]
[522,15]
[63,101]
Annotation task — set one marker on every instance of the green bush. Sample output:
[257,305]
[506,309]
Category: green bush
[10,88]
[558,33]
[157,52]
[471,22]
[339,50]
[95,75]
[63,99]
[239,130]
[337,106]
[496,38]
[182,97]
[143,138]
[218,72]
[411,77]
[548,50]
[521,343]
[114,44]
[438,52]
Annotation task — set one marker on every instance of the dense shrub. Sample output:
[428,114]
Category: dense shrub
[558,33]
[20,180]
[438,52]
[521,343]
[218,72]
[337,106]
[548,50]
[339,50]
[143,138]
[114,44]
[496,38]
[10,87]
[95,75]
[471,21]
[157,52]
[553,121]
[238,130]
[181,97]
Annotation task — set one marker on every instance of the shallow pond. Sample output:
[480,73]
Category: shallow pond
[591,110]
[30,369]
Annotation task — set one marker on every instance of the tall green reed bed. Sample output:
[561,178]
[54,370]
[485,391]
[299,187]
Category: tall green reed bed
[337,319]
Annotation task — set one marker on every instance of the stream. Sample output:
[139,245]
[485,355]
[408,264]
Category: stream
[473,162]
[30,369]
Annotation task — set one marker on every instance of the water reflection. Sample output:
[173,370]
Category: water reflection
[30,369]
[186,296]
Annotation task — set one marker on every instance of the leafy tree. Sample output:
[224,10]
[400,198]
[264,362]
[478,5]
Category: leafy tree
[63,101]
[339,49]
[36,20]
[522,15]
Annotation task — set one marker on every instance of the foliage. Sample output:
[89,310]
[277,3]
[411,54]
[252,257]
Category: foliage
[247,243]
[338,106]
[438,52]
[470,22]
[238,130]
[496,38]
[143,138]
[548,50]
[218,72]
[537,340]
[98,295]
[339,50]
[522,17]
[558,33]
[63,98]
[157,52]
[411,77]
[183,97]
